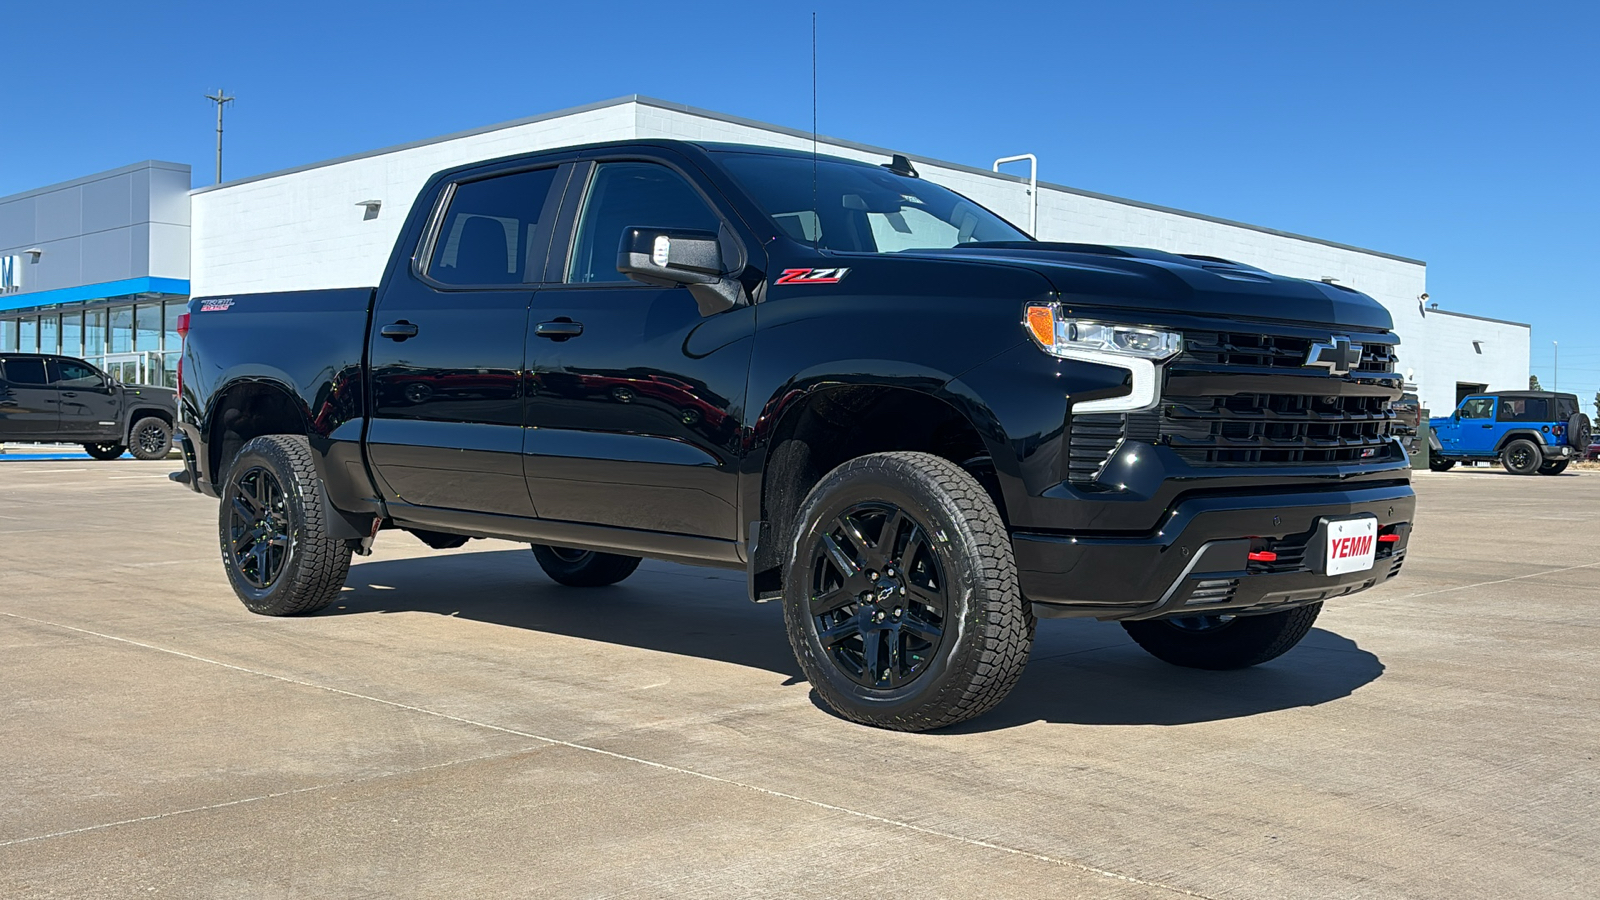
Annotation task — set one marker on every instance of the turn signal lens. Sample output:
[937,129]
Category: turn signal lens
[1056,334]
[1042,323]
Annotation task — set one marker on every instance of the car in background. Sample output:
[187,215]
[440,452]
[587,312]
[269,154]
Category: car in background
[61,399]
[1593,452]
[1530,432]
[1408,422]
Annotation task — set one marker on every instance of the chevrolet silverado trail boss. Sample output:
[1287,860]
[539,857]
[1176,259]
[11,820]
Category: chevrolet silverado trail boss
[914,425]
[46,398]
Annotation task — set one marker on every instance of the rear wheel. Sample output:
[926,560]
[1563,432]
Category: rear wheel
[901,598]
[583,568]
[1553,468]
[1521,457]
[1440,464]
[150,438]
[104,451]
[1223,642]
[276,547]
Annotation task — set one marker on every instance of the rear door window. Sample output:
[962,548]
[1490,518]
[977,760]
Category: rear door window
[628,194]
[25,372]
[71,375]
[495,231]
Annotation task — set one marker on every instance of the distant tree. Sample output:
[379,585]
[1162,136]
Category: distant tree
[1597,406]
[1533,383]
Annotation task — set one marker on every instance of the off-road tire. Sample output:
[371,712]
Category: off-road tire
[105,451]
[987,625]
[316,564]
[583,568]
[150,438]
[1240,643]
[1436,464]
[1554,468]
[1521,457]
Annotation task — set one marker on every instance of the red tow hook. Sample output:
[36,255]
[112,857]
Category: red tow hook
[1263,556]
[1388,538]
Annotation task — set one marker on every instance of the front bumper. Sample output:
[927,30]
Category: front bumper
[1199,560]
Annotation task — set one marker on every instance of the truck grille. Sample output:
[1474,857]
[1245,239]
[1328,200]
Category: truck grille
[1276,428]
[1238,399]
[1270,351]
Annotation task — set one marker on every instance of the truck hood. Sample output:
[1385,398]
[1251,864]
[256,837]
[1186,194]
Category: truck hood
[1139,279]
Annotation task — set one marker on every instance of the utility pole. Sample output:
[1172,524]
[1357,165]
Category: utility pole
[220,99]
[1557,345]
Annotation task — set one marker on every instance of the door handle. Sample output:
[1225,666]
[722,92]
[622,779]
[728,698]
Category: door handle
[69,393]
[399,331]
[558,330]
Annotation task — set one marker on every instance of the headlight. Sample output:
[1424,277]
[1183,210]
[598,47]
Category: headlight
[1059,336]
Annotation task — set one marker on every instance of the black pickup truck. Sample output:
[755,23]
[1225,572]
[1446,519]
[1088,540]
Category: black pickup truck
[898,414]
[46,398]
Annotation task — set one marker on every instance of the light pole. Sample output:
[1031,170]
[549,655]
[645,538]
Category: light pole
[1557,345]
[221,100]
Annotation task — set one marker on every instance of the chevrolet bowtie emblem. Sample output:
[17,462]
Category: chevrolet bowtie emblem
[1339,356]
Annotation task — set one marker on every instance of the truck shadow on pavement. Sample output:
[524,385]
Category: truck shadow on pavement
[1081,672]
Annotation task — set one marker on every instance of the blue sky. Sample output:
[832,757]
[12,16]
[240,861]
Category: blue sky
[1461,133]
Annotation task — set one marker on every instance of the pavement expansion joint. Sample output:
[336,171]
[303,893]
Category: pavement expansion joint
[781,795]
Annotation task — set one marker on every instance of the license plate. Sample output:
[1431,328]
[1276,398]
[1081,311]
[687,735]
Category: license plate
[1349,545]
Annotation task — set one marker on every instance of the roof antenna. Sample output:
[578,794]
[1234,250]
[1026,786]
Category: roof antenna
[816,218]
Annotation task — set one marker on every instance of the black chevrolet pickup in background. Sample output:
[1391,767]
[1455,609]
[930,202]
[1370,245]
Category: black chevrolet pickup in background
[894,411]
[46,398]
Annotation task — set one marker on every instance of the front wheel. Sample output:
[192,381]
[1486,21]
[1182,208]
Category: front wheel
[1221,641]
[150,438]
[104,451]
[1553,468]
[900,597]
[276,547]
[1521,457]
[1438,464]
[583,568]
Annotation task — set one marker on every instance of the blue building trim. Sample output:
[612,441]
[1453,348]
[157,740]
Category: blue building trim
[143,285]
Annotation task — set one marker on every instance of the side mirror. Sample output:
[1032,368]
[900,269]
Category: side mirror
[672,256]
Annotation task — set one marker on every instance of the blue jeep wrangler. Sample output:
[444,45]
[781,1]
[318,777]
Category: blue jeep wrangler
[1530,432]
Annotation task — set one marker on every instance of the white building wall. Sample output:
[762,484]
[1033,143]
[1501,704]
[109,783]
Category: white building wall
[302,229]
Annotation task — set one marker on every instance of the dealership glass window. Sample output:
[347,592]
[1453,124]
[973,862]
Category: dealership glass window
[94,332]
[49,334]
[172,310]
[8,335]
[72,333]
[28,335]
[147,326]
[121,324]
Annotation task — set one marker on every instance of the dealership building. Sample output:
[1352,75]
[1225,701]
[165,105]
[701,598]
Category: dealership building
[97,267]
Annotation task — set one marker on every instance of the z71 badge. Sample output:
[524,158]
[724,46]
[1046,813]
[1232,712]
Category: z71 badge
[812,276]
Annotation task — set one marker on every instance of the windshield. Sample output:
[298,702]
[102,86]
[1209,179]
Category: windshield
[861,208]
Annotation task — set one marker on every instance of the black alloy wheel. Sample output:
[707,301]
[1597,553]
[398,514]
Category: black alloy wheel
[151,439]
[583,568]
[877,595]
[1219,641]
[1200,624]
[1521,457]
[258,528]
[104,451]
[900,593]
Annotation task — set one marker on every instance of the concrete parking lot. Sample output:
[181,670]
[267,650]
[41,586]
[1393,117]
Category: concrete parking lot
[460,726]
